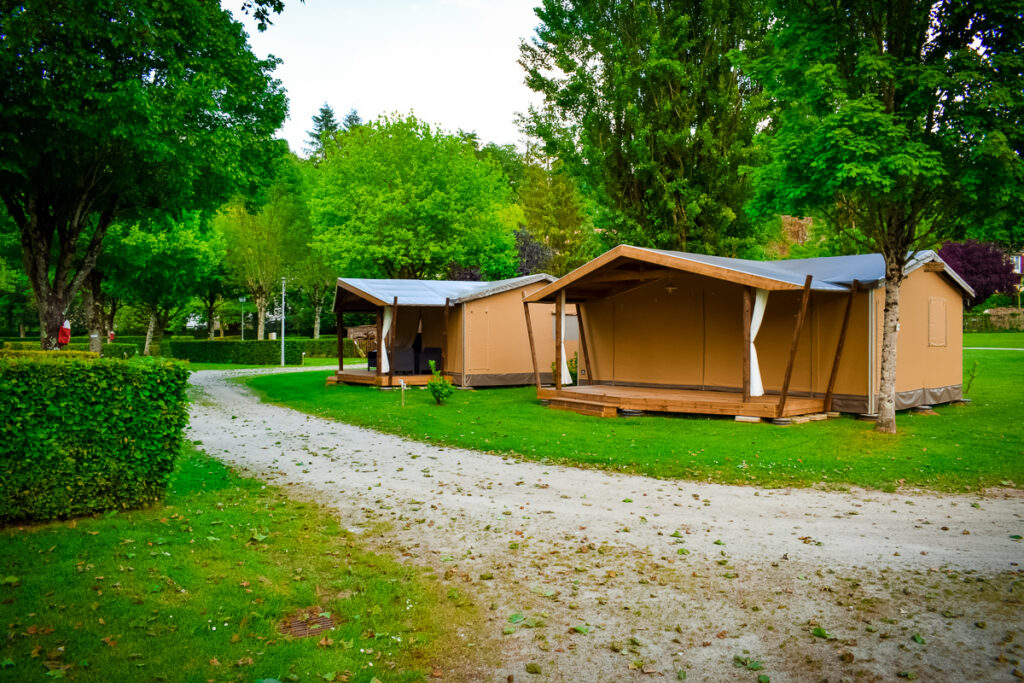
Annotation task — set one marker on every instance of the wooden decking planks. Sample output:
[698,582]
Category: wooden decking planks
[372,378]
[694,401]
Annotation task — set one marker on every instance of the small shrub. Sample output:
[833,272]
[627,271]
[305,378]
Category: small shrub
[439,386]
[573,364]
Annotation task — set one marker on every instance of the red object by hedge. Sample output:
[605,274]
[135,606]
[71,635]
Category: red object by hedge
[64,336]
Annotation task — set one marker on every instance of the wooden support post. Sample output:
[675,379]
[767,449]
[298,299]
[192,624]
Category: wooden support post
[391,341]
[533,344]
[559,312]
[444,337]
[748,312]
[583,346]
[341,343]
[804,299]
[839,346]
[380,336]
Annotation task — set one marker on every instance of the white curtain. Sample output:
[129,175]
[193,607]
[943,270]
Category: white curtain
[382,345]
[566,377]
[760,302]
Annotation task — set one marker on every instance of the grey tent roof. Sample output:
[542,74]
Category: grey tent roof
[383,292]
[829,273]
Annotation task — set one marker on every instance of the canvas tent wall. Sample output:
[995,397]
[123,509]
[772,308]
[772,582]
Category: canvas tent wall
[669,319]
[480,326]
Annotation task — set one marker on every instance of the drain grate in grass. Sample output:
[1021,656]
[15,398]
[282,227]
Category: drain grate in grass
[308,622]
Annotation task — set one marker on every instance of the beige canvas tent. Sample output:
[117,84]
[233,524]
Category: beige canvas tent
[475,332]
[677,332]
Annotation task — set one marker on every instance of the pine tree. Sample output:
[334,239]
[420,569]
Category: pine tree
[324,124]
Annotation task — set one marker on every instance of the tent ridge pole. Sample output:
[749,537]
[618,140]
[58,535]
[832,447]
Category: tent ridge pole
[583,345]
[804,299]
[391,342]
[444,337]
[839,346]
[559,310]
[533,345]
[748,312]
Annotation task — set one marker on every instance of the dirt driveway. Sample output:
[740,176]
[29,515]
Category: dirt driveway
[595,576]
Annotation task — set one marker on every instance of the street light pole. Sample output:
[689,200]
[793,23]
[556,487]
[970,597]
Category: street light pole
[282,322]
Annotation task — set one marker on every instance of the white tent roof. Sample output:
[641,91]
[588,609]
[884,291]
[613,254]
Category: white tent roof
[382,292]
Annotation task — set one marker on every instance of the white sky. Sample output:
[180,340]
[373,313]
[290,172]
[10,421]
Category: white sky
[451,62]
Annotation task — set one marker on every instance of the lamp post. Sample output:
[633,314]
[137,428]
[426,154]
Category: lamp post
[282,321]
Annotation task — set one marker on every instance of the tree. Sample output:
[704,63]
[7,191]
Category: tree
[644,106]
[307,268]
[889,113]
[397,198]
[257,236]
[984,266]
[107,106]
[161,261]
[324,126]
[352,120]
[555,215]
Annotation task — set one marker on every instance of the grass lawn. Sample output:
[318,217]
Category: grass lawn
[962,448]
[1002,340]
[195,589]
[310,362]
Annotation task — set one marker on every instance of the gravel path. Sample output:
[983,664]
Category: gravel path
[619,577]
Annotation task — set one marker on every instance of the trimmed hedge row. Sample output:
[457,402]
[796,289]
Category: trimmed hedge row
[35,353]
[258,352]
[79,436]
[243,353]
[106,350]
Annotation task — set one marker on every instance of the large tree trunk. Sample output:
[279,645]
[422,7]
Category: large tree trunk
[22,330]
[890,333]
[51,317]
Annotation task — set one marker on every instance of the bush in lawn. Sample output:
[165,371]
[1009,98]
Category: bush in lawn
[242,353]
[79,436]
[440,388]
[573,364]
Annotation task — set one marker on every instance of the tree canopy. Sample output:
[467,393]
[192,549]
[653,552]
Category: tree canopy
[397,198]
[889,117]
[984,266]
[110,106]
[644,106]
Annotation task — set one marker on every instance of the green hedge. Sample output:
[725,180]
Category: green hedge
[80,436]
[327,347]
[106,350]
[243,353]
[37,352]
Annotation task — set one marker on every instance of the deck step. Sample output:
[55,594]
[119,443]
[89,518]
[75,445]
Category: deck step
[583,407]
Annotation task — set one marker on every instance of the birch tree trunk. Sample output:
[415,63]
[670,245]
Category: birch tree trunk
[261,315]
[890,332]
[149,332]
[316,320]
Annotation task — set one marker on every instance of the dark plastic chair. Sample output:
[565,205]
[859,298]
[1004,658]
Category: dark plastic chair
[404,362]
[371,359]
[431,353]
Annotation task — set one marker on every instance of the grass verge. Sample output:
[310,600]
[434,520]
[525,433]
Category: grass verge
[1000,340]
[196,588]
[962,448]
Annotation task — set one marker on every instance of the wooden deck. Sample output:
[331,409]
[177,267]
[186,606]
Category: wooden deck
[606,400]
[370,377]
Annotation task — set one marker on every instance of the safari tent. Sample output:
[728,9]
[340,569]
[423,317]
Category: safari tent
[677,332]
[475,332]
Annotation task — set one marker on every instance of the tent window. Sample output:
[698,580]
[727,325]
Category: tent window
[936,321]
[572,327]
